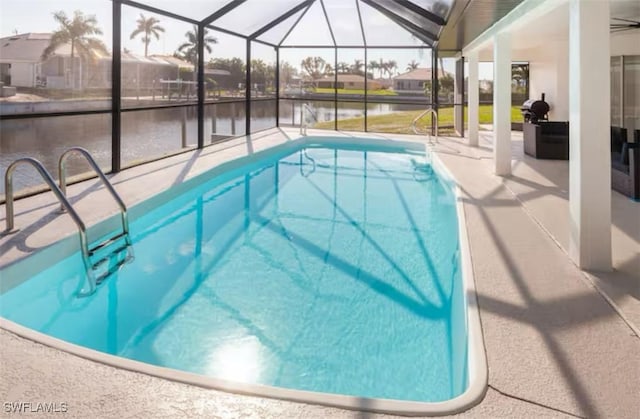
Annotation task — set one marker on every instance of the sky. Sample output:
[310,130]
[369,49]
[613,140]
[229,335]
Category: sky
[22,16]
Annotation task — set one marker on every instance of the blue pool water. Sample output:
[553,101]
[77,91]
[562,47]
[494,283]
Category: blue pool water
[328,268]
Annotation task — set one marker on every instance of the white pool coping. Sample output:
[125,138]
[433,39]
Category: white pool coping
[476,355]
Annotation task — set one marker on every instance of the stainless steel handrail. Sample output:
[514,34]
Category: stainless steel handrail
[303,120]
[8,187]
[414,124]
[63,183]
[303,152]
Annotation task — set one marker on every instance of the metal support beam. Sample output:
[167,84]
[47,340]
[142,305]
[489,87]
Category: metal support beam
[222,11]
[408,25]
[158,11]
[435,86]
[281,18]
[277,86]
[269,44]
[366,89]
[364,38]
[295,23]
[116,86]
[335,88]
[366,64]
[356,46]
[201,86]
[239,35]
[326,16]
[422,12]
[427,40]
[247,108]
[227,31]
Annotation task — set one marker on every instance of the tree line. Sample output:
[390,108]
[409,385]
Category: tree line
[318,67]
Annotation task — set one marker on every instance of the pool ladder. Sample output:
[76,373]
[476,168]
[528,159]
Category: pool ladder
[114,251]
[303,120]
[414,125]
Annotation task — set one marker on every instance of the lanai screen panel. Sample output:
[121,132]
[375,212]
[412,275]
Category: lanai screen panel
[276,34]
[192,9]
[387,22]
[422,21]
[311,30]
[252,16]
[343,17]
[380,30]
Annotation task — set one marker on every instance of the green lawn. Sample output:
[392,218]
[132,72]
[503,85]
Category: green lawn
[379,92]
[400,122]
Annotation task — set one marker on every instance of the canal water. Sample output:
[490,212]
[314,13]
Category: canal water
[147,134]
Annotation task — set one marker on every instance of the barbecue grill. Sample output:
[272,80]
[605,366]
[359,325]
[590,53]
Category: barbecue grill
[535,110]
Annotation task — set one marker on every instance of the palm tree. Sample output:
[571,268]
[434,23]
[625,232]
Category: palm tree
[316,67]
[382,67]
[259,74]
[329,70]
[287,72]
[343,67]
[235,66]
[189,50]
[373,65]
[356,68]
[77,32]
[392,65]
[413,64]
[148,27]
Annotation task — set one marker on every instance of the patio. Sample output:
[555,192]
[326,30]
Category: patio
[555,345]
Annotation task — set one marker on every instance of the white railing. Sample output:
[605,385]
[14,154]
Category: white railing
[303,117]
[414,125]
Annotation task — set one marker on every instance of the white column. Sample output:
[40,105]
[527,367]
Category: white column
[560,111]
[473,96]
[589,135]
[502,104]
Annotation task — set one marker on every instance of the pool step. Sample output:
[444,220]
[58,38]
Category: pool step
[118,251]
[109,256]
[111,269]
[108,242]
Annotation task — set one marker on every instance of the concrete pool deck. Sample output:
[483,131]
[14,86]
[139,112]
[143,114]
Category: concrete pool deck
[555,346]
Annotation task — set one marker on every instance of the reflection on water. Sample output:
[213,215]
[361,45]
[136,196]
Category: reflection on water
[145,135]
[46,139]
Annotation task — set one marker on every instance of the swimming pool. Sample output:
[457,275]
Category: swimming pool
[321,270]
